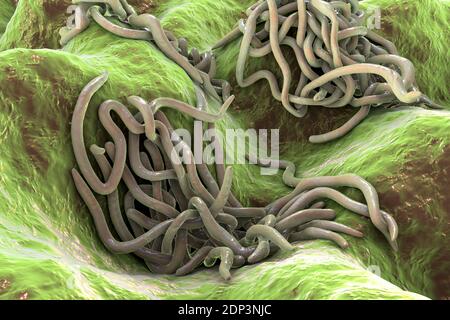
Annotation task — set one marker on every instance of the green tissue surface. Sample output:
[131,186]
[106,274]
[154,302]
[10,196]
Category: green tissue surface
[48,245]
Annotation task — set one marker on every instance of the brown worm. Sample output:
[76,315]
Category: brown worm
[313,233]
[332,226]
[303,216]
[195,261]
[78,144]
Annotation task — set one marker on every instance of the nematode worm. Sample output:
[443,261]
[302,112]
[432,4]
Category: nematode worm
[176,213]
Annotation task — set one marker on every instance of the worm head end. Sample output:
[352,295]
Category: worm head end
[394,245]
[152,105]
[229,170]
[429,103]
[152,136]
[110,148]
[136,100]
[226,276]
[179,273]
[105,75]
[209,262]
[197,202]
[345,245]
[413,97]
[75,173]
[314,139]
[97,82]
[96,150]
[226,104]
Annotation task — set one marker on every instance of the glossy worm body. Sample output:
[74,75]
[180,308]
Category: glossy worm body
[176,214]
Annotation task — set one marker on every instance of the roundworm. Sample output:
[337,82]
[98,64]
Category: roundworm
[229,37]
[136,164]
[216,231]
[261,252]
[303,216]
[78,144]
[225,190]
[187,109]
[177,257]
[173,229]
[380,219]
[270,234]
[342,130]
[332,226]
[137,192]
[102,227]
[313,233]
[391,77]
[302,21]
[245,212]
[160,38]
[141,219]
[146,113]
[94,12]
[226,257]
[195,261]
[348,180]
[281,60]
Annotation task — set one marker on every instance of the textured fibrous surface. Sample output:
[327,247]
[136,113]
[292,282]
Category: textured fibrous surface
[48,245]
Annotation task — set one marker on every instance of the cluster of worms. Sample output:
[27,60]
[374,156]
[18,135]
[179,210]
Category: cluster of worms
[342,62]
[166,208]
